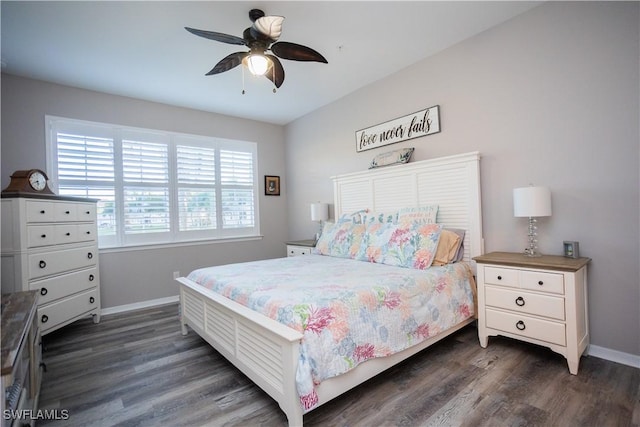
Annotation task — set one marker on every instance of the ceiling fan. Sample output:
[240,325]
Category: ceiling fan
[261,37]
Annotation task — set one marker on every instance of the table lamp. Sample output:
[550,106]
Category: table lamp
[319,212]
[532,202]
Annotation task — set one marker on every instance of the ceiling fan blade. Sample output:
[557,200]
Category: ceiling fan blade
[296,52]
[228,62]
[276,72]
[219,37]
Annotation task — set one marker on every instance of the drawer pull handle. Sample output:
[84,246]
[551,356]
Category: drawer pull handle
[42,264]
[92,300]
[88,232]
[42,212]
[44,236]
[67,212]
[89,255]
[68,234]
[520,302]
[520,325]
[44,318]
[499,277]
[91,277]
[540,282]
[43,291]
[88,212]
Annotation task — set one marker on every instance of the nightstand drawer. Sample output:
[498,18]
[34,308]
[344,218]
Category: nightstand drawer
[526,326]
[501,276]
[298,250]
[541,281]
[525,302]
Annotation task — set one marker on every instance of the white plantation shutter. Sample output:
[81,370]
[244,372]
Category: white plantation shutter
[196,188]
[154,186]
[236,174]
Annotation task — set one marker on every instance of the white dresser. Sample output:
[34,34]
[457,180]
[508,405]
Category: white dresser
[300,247]
[50,244]
[542,300]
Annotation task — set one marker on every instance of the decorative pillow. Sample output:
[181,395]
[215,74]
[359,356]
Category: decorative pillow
[372,217]
[392,157]
[460,252]
[447,247]
[342,240]
[411,246]
[374,241]
[423,214]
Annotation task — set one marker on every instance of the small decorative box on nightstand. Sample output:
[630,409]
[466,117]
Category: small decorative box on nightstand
[541,300]
[300,247]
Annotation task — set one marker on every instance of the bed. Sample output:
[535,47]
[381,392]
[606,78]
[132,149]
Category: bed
[275,356]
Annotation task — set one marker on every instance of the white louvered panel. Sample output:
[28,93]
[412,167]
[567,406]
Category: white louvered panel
[219,324]
[193,309]
[353,196]
[391,192]
[264,355]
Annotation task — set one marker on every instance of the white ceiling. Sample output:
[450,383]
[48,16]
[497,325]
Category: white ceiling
[140,48]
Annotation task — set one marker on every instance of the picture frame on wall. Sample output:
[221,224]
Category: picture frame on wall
[271,185]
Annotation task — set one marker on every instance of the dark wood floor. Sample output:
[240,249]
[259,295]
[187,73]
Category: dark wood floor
[136,369]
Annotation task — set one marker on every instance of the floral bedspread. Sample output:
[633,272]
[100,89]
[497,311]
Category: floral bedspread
[348,311]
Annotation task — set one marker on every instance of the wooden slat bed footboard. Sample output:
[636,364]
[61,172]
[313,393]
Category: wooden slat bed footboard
[263,349]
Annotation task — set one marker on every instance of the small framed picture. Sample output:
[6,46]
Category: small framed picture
[571,249]
[271,185]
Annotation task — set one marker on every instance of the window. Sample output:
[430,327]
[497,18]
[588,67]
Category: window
[153,186]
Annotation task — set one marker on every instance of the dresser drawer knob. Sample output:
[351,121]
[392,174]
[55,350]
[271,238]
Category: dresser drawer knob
[520,325]
[68,234]
[92,300]
[43,291]
[88,232]
[540,282]
[499,277]
[89,255]
[67,212]
[44,236]
[42,212]
[520,302]
[88,212]
[42,264]
[91,277]
[44,318]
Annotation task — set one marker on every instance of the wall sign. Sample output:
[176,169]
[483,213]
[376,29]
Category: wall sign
[421,123]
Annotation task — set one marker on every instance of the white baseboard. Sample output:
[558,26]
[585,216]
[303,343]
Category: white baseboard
[614,356]
[593,350]
[139,305]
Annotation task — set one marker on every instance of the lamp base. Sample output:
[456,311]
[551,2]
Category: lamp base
[532,250]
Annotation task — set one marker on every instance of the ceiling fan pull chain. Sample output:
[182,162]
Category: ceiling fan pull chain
[242,68]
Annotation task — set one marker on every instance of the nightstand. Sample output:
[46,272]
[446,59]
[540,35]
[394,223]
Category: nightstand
[541,300]
[300,247]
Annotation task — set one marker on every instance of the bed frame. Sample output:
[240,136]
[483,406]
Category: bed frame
[267,351]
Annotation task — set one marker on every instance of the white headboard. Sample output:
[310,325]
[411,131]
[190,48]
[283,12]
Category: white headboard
[452,182]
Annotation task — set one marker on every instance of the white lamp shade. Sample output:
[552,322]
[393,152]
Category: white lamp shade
[319,211]
[531,201]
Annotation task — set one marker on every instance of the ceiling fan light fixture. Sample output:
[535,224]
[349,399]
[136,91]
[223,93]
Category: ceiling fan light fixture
[258,64]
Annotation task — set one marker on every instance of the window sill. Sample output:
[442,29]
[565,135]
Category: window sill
[145,247]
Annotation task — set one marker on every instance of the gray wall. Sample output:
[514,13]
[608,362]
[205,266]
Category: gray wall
[140,275]
[550,98]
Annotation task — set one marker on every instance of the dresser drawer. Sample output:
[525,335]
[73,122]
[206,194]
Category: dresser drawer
[501,276]
[60,261]
[61,311]
[542,281]
[44,211]
[525,302]
[526,326]
[298,250]
[66,284]
[41,235]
